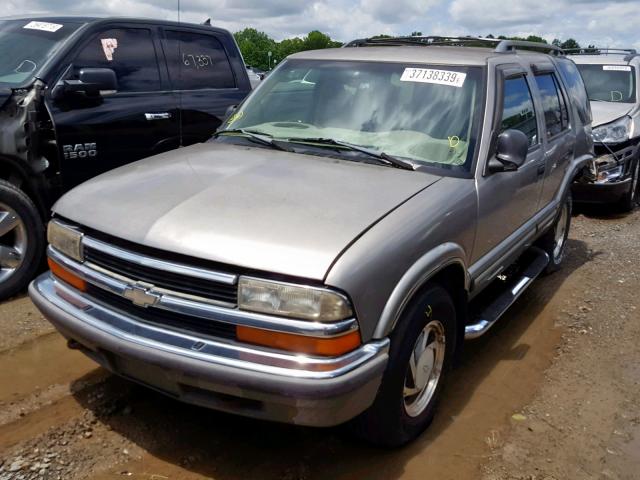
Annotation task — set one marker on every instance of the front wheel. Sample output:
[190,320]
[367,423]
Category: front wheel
[21,240]
[554,241]
[420,356]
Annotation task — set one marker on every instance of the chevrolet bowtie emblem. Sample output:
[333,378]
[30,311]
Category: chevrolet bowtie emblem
[141,295]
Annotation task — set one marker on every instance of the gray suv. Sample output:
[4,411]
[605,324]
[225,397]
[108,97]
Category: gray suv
[612,78]
[324,257]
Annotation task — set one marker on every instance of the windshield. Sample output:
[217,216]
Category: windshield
[425,114]
[610,83]
[25,45]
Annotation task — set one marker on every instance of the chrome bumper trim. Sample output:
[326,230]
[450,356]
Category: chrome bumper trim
[201,307]
[230,354]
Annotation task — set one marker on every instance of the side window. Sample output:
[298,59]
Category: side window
[518,112]
[127,51]
[576,87]
[556,116]
[197,61]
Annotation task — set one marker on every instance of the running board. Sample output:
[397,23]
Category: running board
[492,313]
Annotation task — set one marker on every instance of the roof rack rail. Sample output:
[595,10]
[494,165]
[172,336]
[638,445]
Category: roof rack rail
[499,45]
[600,51]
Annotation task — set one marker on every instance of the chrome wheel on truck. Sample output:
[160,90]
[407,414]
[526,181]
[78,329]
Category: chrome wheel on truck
[13,241]
[21,240]
[425,368]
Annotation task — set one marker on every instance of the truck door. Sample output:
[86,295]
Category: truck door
[507,200]
[98,133]
[559,137]
[202,70]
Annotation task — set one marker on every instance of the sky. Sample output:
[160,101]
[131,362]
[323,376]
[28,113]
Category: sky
[603,23]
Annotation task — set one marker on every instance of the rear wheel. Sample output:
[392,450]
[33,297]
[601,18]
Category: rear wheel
[21,240]
[421,354]
[630,199]
[554,241]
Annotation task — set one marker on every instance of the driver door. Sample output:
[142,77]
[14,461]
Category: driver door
[101,132]
[508,200]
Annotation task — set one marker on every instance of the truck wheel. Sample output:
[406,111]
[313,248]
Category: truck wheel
[554,241]
[21,240]
[630,199]
[420,356]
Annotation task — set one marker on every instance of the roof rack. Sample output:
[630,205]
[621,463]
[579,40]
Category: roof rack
[499,46]
[628,53]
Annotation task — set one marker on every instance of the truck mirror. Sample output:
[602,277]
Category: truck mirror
[92,81]
[511,151]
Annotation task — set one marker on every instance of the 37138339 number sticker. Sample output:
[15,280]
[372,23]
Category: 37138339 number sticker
[431,75]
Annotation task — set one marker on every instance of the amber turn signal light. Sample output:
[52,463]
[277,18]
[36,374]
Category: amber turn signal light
[66,276]
[328,347]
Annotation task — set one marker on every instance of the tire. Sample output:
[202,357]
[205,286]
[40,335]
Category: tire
[554,241]
[394,420]
[630,199]
[22,240]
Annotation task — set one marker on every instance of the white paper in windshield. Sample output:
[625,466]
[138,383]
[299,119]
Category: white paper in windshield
[430,75]
[44,26]
[617,68]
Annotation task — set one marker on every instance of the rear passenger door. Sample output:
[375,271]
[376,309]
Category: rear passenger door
[558,136]
[96,134]
[201,69]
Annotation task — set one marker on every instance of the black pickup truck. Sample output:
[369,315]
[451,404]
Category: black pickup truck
[80,96]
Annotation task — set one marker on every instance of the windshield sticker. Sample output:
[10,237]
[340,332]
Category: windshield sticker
[109,46]
[44,26]
[617,68]
[429,75]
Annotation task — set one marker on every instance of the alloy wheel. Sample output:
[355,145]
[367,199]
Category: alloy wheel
[13,241]
[425,368]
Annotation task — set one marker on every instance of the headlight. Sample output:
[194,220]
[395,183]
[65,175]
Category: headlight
[614,132]
[307,303]
[65,239]
[609,174]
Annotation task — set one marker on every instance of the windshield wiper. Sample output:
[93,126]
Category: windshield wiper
[383,157]
[257,137]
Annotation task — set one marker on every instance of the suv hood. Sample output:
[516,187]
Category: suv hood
[252,207]
[607,112]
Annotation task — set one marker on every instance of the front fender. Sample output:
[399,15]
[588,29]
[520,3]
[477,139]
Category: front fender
[427,266]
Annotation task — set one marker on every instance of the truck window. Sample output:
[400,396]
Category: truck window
[556,116]
[576,88]
[127,51]
[197,61]
[518,112]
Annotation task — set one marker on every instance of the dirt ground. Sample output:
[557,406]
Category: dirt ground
[552,392]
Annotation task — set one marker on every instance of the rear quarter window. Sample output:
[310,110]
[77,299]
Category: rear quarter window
[197,61]
[576,89]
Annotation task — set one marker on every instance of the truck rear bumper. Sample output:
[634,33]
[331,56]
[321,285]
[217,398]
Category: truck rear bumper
[221,375]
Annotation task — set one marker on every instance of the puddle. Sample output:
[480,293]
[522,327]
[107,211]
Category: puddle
[37,364]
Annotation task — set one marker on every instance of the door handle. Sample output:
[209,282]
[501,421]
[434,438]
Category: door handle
[157,116]
[541,168]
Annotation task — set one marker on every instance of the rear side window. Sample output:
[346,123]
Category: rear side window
[197,61]
[556,116]
[576,88]
[518,112]
[127,51]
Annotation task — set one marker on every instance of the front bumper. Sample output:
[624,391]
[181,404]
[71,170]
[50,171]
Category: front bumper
[222,375]
[587,190]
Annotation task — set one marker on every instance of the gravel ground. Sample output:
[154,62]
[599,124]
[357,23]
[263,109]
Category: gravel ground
[552,392]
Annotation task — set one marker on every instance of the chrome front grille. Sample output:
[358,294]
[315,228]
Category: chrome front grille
[179,278]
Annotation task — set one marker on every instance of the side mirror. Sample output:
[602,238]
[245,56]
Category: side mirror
[511,151]
[231,109]
[92,81]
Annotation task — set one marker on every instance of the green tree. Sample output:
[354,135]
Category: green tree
[416,34]
[569,43]
[255,47]
[536,39]
[316,40]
